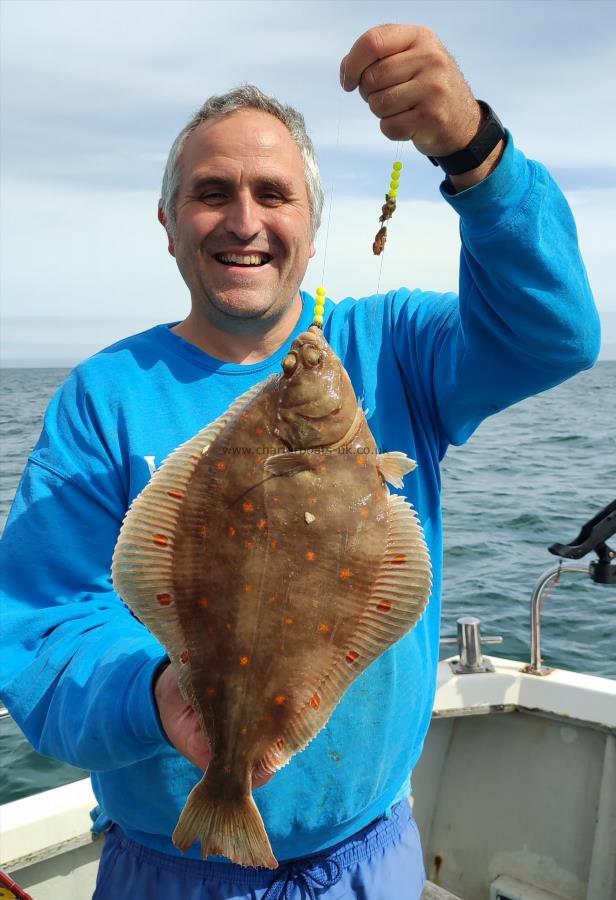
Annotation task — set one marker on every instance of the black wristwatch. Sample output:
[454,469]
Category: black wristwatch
[490,133]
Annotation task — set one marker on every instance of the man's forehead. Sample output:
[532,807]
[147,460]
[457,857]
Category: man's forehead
[242,135]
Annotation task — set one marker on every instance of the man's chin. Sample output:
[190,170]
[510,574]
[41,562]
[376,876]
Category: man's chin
[247,304]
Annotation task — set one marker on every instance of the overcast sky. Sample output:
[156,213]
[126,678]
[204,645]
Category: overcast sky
[93,94]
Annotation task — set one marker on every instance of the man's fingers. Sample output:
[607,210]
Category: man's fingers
[397,99]
[403,126]
[375,44]
[386,73]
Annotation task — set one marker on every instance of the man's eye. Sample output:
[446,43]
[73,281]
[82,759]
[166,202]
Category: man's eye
[272,197]
[213,197]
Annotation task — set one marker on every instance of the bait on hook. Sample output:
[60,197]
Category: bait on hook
[388,208]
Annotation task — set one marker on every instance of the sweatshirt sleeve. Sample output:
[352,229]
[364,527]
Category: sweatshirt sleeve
[77,667]
[525,318]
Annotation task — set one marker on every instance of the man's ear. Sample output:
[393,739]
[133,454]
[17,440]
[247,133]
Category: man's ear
[162,218]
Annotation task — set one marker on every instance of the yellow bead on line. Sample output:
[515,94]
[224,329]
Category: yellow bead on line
[395,175]
[319,307]
[397,166]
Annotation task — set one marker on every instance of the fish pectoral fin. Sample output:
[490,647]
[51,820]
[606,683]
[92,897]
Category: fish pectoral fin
[290,463]
[394,465]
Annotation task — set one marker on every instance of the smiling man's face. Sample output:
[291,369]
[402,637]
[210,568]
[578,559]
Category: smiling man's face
[242,238]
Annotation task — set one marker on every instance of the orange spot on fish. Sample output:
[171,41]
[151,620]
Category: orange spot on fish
[311,555]
[244,729]
[202,530]
[164,599]
[384,606]
[177,495]
[221,465]
[244,417]
[321,470]
[364,513]
[259,458]
[280,744]
[184,657]
[259,430]
[211,692]
[361,461]
[231,531]
[315,701]
[229,626]
[398,559]
[272,598]
[345,573]
[324,628]
[312,500]
[279,699]
[161,540]
[247,588]
[262,523]
[274,545]
[244,660]
[204,602]
[289,621]
[351,656]
[247,506]
[276,499]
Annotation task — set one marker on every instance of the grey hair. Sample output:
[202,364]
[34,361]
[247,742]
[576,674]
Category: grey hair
[246,96]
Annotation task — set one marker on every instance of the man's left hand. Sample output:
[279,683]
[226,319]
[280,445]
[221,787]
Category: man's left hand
[414,87]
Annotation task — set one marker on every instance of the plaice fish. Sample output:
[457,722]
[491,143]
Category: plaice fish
[269,558]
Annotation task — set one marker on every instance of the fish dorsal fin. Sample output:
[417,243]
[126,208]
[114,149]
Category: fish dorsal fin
[142,567]
[397,601]
[394,466]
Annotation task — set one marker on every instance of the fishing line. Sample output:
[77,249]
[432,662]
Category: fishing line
[319,307]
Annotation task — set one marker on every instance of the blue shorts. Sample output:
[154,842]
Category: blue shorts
[380,862]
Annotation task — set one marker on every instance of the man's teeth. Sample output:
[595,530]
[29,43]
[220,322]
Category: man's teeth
[254,259]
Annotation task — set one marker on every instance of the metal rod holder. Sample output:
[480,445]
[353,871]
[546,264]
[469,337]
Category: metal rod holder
[545,581]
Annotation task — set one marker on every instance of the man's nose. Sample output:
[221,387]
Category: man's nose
[243,218]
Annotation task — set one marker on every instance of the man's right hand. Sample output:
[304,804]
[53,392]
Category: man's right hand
[181,723]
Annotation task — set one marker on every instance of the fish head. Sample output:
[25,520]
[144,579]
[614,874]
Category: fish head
[317,405]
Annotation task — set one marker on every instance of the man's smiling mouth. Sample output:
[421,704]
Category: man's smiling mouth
[243,259]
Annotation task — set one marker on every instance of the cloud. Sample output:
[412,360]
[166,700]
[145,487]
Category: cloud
[95,74]
[94,93]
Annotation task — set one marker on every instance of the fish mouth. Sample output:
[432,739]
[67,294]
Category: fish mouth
[245,260]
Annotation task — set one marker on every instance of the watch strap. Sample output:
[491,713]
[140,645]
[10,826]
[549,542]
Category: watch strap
[486,139]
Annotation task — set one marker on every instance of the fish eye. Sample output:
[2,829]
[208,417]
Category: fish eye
[311,355]
[289,363]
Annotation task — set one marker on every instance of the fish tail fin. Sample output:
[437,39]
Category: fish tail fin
[227,822]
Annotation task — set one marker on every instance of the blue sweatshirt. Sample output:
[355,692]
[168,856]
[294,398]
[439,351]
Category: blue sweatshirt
[77,666]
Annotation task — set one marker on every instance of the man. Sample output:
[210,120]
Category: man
[241,204]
